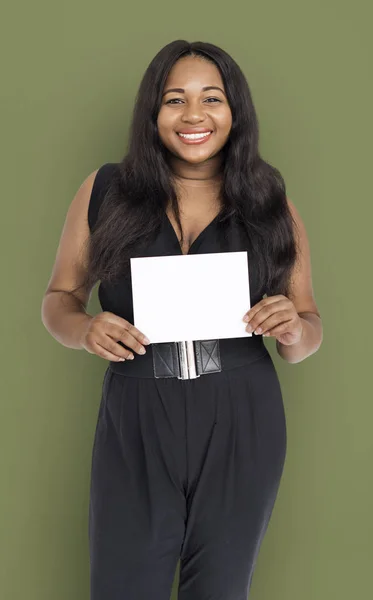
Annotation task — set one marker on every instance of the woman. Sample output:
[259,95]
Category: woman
[184,468]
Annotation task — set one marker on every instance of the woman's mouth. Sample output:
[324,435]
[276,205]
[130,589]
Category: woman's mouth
[194,138]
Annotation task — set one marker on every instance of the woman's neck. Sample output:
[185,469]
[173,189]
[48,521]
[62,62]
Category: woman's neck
[206,175]
[196,196]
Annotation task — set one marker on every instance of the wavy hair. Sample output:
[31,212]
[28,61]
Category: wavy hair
[252,189]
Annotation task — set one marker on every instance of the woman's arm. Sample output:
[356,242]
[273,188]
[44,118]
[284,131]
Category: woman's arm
[63,313]
[302,295]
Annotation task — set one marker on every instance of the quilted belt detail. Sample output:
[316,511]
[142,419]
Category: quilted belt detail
[186,360]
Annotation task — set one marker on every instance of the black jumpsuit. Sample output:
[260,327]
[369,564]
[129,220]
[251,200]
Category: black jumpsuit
[183,469]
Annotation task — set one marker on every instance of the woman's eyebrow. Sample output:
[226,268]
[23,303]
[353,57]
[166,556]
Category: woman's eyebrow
[204,89]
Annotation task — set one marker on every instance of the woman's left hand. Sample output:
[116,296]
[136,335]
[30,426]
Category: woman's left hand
[275,316]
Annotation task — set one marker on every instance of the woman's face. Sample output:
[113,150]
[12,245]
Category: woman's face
[191,108]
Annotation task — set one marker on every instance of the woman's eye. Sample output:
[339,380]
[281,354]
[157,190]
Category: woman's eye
[176,99]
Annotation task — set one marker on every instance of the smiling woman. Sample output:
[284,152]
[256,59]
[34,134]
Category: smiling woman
[190,116]
[190,440]
[190,89]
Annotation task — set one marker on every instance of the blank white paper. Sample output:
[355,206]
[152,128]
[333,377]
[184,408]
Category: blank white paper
[191,297]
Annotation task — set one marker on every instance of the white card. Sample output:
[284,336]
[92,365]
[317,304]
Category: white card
[191,297]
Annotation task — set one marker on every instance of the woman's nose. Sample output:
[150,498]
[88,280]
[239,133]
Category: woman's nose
[193,112]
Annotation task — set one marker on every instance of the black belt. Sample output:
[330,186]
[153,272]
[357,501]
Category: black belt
[189,360]
[186,360]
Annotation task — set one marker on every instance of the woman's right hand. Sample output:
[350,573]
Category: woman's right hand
[101,334]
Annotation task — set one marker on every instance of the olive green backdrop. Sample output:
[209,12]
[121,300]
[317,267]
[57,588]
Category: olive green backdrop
[69,77]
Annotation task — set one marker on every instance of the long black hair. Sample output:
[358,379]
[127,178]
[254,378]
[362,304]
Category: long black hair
[252,189]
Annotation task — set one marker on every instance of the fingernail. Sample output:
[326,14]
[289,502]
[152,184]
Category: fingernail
[142,351]
[146,340]
[131,356]
[246,318]
[249,328]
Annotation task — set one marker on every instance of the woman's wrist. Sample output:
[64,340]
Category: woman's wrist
[309,343]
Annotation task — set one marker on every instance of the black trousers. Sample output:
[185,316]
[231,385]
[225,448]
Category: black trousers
[189,470]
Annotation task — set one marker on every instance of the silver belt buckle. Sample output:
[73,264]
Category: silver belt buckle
[186,359]
[188,367]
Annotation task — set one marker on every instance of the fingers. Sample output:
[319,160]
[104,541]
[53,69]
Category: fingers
[129,335]
[102,344]
[260,325]
[104,353]
[266,306]
[138,336]
[123,325]
[107,333]
[281,328]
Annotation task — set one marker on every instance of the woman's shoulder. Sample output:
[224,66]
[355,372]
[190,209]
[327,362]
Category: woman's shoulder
[102,179]
[103,175]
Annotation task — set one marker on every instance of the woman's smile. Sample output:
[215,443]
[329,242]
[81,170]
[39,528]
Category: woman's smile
[194,138]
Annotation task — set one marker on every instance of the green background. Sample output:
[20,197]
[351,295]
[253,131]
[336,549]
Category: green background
[70,73]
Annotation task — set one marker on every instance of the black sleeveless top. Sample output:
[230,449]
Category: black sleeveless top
[117,297]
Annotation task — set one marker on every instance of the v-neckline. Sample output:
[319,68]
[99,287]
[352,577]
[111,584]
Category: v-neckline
[198,238]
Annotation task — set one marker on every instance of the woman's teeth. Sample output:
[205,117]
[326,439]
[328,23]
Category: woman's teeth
[194,136]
